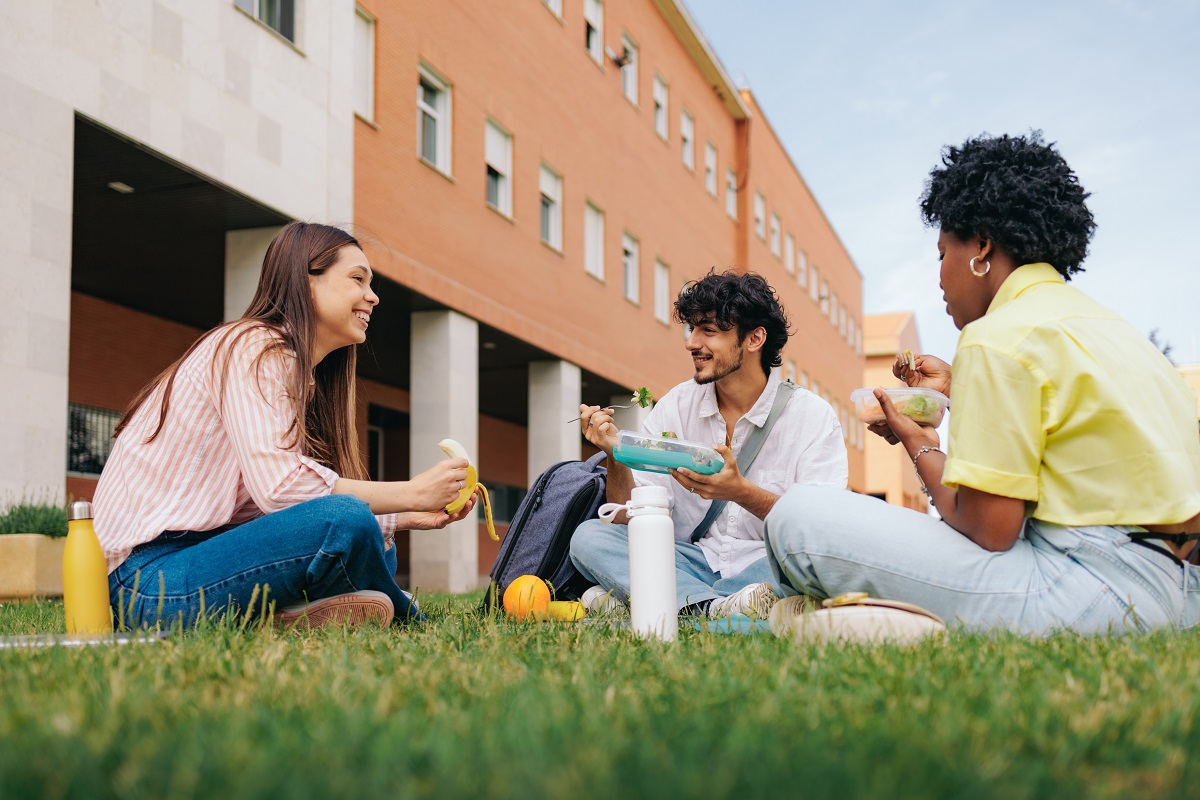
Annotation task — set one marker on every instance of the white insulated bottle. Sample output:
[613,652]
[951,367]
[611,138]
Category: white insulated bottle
[652,609]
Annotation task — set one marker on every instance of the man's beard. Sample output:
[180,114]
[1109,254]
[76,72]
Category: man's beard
[721,373]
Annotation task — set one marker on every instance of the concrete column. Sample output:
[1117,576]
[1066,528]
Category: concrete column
[444,390]
[244,251]
[554,392]
[36,161]
[629,419]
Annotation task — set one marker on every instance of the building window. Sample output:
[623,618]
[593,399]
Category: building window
[842,321]
[629,261]
[364,64]
[593,29]
[660,108]
[555,7]
[858,341]
[833,310]
[802,269]
[789,254]
[824,298]
[551,189]
[629,70]
[593,241]
[278,15]
[710,168]
[433,120]
[775,235]
[498,155]
[687,139]
[89,438]
[662,292]
[804,378]
[760,215]
[791,371]
[375,447]
[731,194]
[814,287]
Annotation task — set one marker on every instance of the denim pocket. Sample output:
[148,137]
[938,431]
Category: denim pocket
[1109,613]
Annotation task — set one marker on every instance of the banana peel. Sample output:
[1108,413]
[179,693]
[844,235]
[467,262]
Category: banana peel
[566,610]
[471,486]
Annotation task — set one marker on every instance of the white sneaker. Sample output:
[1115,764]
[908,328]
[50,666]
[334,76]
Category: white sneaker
[598,600]
[753,601]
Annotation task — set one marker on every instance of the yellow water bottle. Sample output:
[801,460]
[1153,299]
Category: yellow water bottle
[85,575]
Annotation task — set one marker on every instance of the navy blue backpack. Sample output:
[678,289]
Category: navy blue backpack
[538,541]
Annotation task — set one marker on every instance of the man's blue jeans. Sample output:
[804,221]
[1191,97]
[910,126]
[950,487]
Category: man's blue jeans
[600,551]
[324,547]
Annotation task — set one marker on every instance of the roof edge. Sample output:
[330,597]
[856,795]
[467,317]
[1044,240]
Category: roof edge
[697,47]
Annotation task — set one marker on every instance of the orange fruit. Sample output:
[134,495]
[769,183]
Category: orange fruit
[527,596]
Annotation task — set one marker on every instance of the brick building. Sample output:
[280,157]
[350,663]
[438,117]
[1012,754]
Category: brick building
[533,180]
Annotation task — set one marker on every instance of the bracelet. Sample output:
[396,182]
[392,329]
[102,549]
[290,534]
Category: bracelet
[926,449]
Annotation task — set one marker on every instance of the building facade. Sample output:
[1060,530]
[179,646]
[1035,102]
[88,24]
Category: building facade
[541,178]
[533,182]
[149,151]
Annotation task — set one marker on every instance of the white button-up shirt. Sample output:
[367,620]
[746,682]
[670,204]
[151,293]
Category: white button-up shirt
[805,446]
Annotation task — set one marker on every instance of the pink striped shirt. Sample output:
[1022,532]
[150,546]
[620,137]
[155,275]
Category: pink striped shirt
[220,459]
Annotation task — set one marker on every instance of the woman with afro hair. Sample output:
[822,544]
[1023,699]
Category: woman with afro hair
[1069,494]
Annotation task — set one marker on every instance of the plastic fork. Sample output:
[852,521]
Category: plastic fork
[609,407]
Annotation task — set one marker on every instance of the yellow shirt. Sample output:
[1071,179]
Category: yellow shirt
[1060,402]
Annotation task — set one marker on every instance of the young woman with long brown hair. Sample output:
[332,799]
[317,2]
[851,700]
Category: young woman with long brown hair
[236,473]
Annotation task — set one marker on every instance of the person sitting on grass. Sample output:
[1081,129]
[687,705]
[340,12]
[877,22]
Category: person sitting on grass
[236,476]
[736,332]
[1072,479]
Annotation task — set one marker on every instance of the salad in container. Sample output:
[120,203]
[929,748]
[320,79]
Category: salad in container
[923,406]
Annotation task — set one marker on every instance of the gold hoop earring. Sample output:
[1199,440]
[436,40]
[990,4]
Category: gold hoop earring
[987,267]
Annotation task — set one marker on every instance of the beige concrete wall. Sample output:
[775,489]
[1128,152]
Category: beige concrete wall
[203,84]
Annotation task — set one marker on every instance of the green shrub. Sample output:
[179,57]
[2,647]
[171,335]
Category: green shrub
[33,516]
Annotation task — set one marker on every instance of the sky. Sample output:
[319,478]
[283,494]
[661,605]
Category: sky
[864,94]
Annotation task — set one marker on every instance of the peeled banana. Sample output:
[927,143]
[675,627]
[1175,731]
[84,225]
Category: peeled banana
[455,450]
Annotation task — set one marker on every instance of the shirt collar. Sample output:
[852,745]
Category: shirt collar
[1021,279]
[758,412]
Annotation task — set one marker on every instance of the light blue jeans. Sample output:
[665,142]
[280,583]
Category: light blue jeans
[600,551]
[324,547]
[825,542]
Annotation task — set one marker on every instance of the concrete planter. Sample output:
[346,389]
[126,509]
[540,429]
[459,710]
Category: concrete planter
[30,565]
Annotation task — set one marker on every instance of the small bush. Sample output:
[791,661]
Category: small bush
[30,516]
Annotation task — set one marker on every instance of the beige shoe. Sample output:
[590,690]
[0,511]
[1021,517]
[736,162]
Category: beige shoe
[784,613]
[350,609]
[755,601]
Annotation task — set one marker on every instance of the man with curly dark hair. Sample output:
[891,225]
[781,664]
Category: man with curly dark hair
[736,331]
[1070,492]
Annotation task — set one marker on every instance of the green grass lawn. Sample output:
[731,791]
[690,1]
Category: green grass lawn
[465,706]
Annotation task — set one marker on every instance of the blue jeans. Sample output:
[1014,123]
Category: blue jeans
[600,551]
[825,542]
[324,547]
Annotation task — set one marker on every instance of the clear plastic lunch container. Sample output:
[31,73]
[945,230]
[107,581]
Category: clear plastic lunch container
[923,406]
[661,453]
